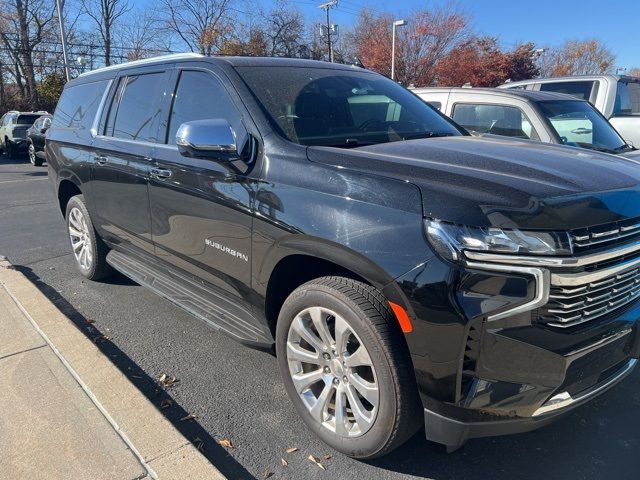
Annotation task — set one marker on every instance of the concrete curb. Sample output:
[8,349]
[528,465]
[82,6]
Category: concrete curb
[162,450]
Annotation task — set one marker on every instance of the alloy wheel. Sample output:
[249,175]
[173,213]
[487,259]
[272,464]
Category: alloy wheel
[79,234]
[332,372]
[32,154]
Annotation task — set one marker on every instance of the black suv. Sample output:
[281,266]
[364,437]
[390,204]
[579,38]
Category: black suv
[35,139]
[405,272]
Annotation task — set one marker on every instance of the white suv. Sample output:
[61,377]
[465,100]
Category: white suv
[13,130]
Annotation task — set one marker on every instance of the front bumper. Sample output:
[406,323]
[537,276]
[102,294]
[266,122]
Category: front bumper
[450,431]
[485,366]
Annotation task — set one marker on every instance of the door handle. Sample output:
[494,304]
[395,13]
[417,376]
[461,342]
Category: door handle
[101,160]
[160,173]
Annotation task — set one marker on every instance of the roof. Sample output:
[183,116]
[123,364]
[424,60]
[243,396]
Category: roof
[234,61]
[531,95]
[613,78]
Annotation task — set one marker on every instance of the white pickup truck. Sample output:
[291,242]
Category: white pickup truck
[616,96]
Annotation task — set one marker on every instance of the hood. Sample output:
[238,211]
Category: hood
[502,182]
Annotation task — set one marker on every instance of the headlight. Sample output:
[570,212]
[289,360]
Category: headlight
[449,240]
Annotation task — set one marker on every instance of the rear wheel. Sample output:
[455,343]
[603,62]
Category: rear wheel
[12,151]
[89,250]
[33,158]
[346,367]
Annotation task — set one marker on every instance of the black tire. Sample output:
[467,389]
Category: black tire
[12,151]
[97,268]
[33,157]
[399,413]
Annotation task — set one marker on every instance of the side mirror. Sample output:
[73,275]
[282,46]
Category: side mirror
[43,130]
[211,138]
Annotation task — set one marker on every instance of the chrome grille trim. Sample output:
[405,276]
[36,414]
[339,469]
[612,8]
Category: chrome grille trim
[572,306]
[586,238]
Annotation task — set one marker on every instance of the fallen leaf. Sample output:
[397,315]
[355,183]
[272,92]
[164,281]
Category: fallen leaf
[226,443]
[90,320]
[267,474]
[316,461]
[292,449]
[284,462]
[167,381]
[191,416]
[166,403]
[327,457]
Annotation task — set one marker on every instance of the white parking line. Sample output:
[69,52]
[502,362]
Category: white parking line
[24,180]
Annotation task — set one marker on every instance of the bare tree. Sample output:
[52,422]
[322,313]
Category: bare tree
[284,30]
[202,25]
[577,57]
[25,24]
[106,14]
[143,37]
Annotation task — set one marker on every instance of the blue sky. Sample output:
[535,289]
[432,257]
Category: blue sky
[545,22]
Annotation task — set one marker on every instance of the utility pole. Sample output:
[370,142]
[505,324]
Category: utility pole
[63,39]
[326,7]
[397,23]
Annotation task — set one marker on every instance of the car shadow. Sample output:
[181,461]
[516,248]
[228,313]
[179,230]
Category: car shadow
[150,387]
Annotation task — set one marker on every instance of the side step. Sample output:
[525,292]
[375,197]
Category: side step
[206,302]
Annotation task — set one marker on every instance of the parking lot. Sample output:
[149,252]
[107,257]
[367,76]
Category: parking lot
[235,393]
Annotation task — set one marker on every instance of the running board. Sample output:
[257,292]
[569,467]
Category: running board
[205,302]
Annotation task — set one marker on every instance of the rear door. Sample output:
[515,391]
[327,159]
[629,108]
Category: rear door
[201,208]
[127,135]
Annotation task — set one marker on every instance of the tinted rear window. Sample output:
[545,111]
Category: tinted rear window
[27,119]
[78,105]
[579,89]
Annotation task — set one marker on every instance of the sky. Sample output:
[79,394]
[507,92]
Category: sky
[544,22]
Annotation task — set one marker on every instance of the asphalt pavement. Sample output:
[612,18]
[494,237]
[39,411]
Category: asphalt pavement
[235,393]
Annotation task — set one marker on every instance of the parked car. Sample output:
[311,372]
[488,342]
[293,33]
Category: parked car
[617,97]
[13,130]
[402,271]
[35,139]
[545,116]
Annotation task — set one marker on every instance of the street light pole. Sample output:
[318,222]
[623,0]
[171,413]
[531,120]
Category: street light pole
[63,39]
[397,23]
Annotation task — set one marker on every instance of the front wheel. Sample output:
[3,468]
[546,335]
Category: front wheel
[12,150]
[89,250]
[346,367]
[33,158]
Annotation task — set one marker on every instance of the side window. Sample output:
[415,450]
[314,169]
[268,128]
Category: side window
[494,119]
[579,89]
[200,96]
[78,105]
[136,115]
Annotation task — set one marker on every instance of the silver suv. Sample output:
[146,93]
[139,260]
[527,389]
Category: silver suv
[13,130]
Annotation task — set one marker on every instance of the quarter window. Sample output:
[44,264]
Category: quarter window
[78,105]
[138,111]
[200,96]
[494,119]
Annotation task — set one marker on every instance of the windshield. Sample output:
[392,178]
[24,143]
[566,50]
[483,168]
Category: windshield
[578,124]
[340,108]
[27,119]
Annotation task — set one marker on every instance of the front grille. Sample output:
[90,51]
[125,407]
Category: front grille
[575,304]
[608,235]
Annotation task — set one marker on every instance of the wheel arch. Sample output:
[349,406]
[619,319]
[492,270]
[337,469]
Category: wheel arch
[67,188]
[300,259]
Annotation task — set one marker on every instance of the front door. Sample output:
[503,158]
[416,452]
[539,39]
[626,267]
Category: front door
[122,155]
[201,208]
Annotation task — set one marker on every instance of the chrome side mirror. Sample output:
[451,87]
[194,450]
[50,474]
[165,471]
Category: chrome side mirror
[211,138]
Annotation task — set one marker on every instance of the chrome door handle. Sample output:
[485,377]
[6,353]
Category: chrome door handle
[101,160]
[160,173]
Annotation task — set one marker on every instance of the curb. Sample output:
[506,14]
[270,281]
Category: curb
[161,449]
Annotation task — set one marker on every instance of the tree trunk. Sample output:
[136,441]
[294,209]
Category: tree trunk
[26,55]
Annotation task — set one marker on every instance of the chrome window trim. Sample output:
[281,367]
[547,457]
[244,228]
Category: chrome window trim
[542,285]
[564,399]
[553,262]
[103,100]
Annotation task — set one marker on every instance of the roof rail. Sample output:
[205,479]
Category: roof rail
[145,61]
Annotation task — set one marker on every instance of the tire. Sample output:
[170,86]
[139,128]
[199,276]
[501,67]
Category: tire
[11,149]
[89,250]
[387,418]
[33,158]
